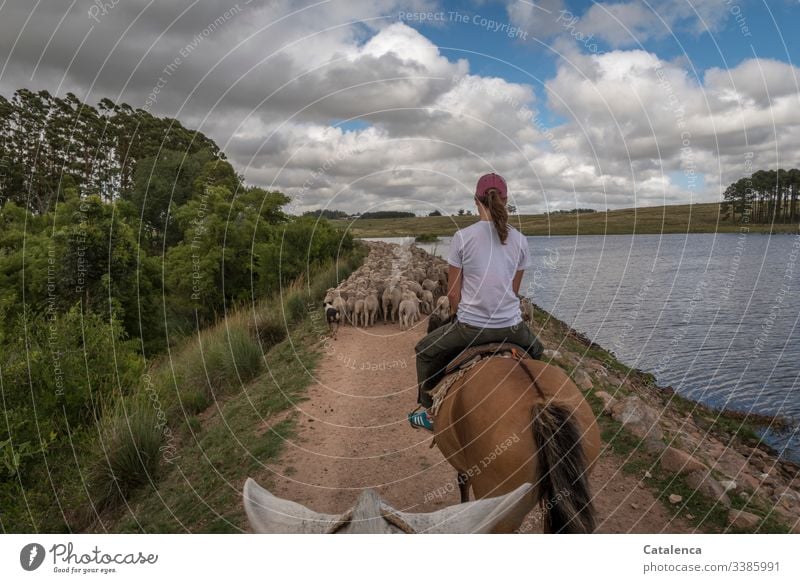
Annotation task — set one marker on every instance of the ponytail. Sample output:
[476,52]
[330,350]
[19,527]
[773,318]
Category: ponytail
[498,212]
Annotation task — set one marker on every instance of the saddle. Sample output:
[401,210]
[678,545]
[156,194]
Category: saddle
[468,358]
[484,351]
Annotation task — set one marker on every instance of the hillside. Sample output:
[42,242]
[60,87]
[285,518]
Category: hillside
[683,218]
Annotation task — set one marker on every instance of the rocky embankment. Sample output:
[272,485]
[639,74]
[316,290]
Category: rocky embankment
[708,464]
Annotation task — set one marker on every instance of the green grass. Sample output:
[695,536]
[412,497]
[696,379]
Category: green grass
[682,218]
[201,489]
[131,438]
[199,486]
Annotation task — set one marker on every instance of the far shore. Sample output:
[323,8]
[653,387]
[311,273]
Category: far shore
[668,219]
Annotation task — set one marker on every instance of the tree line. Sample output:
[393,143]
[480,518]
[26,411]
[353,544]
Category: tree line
[49,144]
[766,196]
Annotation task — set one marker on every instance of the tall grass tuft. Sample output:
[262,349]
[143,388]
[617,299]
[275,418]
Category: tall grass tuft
[221,360]
[131,435]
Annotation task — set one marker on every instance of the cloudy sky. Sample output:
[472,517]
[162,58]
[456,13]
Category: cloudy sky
[387,104]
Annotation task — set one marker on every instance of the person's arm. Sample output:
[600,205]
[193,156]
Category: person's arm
[517,281]
[454,287]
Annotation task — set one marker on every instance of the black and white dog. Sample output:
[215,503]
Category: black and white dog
[332,316]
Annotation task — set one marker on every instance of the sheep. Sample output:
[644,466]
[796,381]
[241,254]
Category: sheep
[371,305]
[409,313]
[427,302]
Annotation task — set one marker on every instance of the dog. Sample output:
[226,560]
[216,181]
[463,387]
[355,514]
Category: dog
[332,317]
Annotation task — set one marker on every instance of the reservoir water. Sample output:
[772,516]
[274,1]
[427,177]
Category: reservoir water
[715,316]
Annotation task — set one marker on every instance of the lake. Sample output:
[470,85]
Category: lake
[712,315]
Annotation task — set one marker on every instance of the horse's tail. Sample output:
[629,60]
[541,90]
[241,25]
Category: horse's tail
[564,484]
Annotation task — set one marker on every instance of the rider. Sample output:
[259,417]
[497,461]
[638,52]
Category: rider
[487,260]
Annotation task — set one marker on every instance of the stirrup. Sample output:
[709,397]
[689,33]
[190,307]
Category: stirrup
[420,420]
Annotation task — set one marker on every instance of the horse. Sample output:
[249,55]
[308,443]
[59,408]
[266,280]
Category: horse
[509,421]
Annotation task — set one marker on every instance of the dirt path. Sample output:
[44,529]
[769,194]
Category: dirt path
[353,434]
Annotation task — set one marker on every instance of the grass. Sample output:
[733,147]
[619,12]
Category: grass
[217,446]
[682,218]
[131,436]
[201,489]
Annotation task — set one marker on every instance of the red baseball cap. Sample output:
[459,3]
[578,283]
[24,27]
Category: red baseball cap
[488,181]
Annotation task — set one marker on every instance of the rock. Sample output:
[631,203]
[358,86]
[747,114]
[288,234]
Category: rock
[653,445]
[648,475]
[690,517]
[748,482]
[634,506]
[675,498]
[552,354]
[583,380]
[743,520]
[637,417]
[728,485]
[678,461]
[704,483]
[608,401]
[731,463]
[789,499]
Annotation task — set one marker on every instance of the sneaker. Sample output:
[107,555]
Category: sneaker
[420,420]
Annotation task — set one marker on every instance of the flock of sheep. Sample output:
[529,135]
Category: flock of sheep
[395,282]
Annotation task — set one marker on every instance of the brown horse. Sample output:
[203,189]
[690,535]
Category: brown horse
[509,421]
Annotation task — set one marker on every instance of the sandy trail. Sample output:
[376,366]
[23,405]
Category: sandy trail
[353,434]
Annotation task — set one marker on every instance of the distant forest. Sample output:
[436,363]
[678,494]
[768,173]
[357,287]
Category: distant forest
[766,196]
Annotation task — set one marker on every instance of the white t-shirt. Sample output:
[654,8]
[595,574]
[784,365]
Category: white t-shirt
[488,268]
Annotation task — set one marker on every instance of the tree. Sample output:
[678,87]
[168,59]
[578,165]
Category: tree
[435,213]
[512,209]
[460,212]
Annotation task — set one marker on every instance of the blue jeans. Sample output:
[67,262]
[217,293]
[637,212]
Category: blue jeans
[437,349]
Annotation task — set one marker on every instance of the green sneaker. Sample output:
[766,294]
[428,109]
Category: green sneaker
[420,420]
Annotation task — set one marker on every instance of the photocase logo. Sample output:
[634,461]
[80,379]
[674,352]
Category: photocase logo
[31,556]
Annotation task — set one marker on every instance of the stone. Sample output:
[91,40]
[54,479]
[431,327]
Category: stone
[653,445]
[648,475]
[678,461]
[731,463]
[675,498]
[637,417]
[704,483]
[728,485]
[552,354]
[743,520]
[608,401]
[748,482]
[583,380]
[690,517]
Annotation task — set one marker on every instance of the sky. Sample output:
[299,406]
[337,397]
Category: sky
[401,105]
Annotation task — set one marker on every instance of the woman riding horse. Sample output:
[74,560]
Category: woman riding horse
[506,421]
[487,261]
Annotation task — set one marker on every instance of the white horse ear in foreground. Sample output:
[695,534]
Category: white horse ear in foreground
[371,515]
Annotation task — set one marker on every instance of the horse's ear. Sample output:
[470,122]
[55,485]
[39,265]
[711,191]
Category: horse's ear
[480,516]
[269,514]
